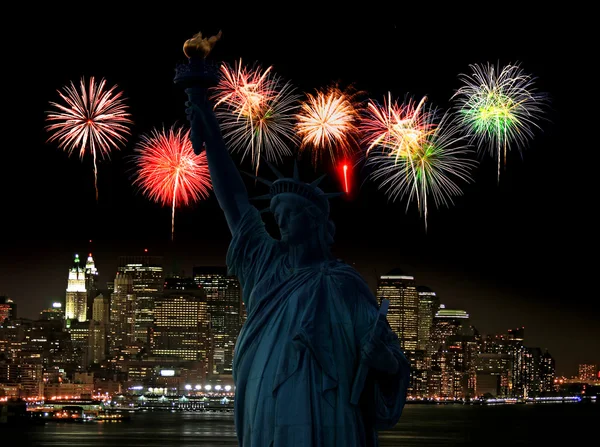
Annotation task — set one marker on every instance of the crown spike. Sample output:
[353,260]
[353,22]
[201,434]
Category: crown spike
[296,174]
[265,210]
[274,169]
[260,179]
[330,195]
[316,182]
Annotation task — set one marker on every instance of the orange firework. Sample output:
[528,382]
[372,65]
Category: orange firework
[329,121]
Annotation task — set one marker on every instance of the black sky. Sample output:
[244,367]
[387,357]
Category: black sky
[517,253]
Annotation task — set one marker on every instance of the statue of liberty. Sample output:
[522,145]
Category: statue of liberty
[316,362]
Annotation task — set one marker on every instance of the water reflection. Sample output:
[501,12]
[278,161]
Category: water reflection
[421,426]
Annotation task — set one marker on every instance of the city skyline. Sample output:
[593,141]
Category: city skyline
[509,253]
[567,357]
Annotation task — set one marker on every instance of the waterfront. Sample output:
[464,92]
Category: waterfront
[421,425]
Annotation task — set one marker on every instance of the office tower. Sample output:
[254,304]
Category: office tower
[447,323]
[224,301]
[181,321]
[512,345]
[8,309]
[451,343]
[532,373]
[76,299]
[91,283]
[429,304]
[587,372]
[548,372]
[99,329]
[122,312]
[403,312]
[147,285]
[80,340]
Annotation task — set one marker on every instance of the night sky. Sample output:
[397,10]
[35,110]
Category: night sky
[514,253]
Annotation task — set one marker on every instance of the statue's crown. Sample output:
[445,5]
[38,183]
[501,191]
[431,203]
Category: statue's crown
[293,185]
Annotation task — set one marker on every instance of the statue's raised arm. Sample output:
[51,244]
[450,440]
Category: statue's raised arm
[196,77]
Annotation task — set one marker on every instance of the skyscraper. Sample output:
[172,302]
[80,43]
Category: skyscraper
[181,321]
[76,299]
[429,304]
[224,301]
[147,284]
[122,312]
[91,283]
[403,312]
[99,329]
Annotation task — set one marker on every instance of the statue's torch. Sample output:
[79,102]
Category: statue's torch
[196,77]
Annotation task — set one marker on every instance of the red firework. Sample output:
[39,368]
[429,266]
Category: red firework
[169,173]
[93,119]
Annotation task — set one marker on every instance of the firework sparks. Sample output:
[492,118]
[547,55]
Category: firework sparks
[168,171]
[257,112]
[415,154]
[498,107]
[92,119]
[328,121]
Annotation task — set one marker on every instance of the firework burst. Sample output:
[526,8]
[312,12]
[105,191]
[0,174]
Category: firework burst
[328,121]
[498,107]
[92,119]
[256,110]
[168,171]
[412,153]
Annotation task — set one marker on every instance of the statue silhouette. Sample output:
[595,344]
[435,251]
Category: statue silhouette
[316,363]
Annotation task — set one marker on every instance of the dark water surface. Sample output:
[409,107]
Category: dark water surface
[421,425]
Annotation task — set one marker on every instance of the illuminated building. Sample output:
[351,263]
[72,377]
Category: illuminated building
[511,344]
[147,284]
[181,321]
[451,347]
[122,312]
[8,309]
[91,283]
[99,330]
[548,372]
[492,374]
[429,304]
[224,301]
[587,372]
[80,335]
[76,299]
[53,313]
[403,312]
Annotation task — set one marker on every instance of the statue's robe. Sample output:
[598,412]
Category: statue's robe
[297,355]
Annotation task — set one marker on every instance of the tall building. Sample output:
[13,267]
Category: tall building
[548,372]
[91,283]
[181,321]
[76,299]
[403,312]
[122,312]
[587,372]
[147,284]
[429,304]
[8,309]
[99,330]
[225,309]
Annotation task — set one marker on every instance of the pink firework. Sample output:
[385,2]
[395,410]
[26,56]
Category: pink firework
[256,109]
[328,121]
[169,173]
[92,119]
